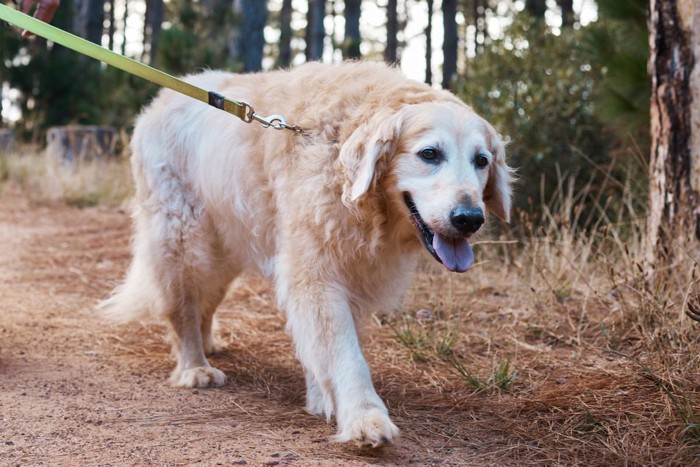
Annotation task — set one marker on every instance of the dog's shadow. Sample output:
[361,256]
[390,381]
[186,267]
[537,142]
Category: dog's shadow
[251,373]
[278,390]
[266,387]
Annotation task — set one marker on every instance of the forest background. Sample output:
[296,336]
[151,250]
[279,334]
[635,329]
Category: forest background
[564,81]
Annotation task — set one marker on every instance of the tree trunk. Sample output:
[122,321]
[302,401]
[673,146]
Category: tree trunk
[144,34]
[315,30]
[153,22]
[392,30]
[156,26]
[332,15]
[89,21]
[429,45]
[351,43]
[252,38]
[112,27]
[536,8]
[450,41]
[675,148]
[285,52]
[126,15]
[567,12]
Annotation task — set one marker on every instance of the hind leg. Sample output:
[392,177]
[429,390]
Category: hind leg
[191,321]
[193,369]
[184,252]
[192,338]
[210,340]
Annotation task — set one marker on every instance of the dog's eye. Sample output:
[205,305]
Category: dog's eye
[430,155]
[481,160]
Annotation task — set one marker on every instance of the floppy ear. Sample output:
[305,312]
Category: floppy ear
[361,154]
[497,194]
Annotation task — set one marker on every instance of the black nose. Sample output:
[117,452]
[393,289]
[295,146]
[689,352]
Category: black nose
[467,220]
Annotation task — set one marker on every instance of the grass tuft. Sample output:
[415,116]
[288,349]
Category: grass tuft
[501,378]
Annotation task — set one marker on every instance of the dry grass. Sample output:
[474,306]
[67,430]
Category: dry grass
[45,179]
[555,349]
[585,359]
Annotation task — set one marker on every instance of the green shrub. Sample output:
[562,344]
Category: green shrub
[541,92]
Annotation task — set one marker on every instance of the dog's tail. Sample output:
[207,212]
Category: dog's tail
[134,299]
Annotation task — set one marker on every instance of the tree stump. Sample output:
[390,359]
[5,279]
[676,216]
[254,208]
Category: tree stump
[76,143]
[7,141]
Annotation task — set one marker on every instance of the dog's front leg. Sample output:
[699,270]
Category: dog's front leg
[321,322]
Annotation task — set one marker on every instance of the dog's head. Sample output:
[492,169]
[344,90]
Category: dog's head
[445,167]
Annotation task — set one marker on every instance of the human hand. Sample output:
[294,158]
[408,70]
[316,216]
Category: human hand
[44,11]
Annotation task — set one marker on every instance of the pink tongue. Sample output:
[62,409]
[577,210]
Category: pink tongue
[455,253]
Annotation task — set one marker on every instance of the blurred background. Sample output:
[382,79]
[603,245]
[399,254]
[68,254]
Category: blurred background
[563,80]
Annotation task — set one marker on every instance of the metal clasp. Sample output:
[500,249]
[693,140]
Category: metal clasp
[277,122]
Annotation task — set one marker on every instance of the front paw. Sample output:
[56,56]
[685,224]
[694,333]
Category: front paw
[198,377]
[369,427]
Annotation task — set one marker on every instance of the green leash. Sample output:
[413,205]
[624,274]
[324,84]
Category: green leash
[240,109]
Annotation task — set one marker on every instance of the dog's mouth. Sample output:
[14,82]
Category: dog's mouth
[454,253]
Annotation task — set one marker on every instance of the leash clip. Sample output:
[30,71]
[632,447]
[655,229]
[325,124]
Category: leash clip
[278,122]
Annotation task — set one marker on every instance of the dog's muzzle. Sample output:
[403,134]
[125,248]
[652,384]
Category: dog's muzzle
[454,253]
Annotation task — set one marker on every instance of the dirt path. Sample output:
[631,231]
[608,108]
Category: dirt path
[76,391]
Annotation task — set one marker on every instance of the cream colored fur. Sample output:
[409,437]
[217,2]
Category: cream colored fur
[321,214]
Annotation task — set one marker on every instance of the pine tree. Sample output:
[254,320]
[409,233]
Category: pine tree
[315,30]
[155,13]
[567,12]
[285,49]
[252,37]
[392,31]
[620,41]
[429,45]
[352,41]
[450,42]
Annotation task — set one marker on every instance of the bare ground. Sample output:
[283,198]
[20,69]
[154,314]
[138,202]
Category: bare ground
[75,390]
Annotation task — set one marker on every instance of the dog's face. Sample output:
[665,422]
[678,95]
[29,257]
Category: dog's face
[446,166]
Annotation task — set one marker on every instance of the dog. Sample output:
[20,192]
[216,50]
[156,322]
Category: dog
[334,216]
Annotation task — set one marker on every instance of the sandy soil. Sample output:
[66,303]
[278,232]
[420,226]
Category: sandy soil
[75,390]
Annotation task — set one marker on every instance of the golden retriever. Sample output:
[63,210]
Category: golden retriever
[333,216]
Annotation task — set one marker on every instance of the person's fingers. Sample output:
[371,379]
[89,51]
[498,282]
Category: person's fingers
[46,9]
[26,5]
